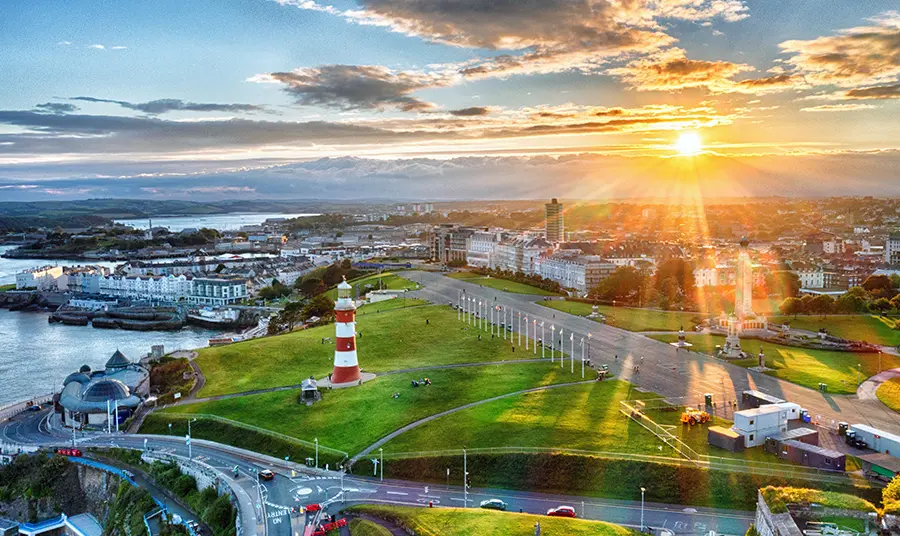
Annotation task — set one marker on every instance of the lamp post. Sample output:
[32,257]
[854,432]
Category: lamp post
[317,453]
[858,374]
[582,358]
[190,448]
[458,303]
[519,331]
[642,508]
[381,455]
[572,351]
[562,347]
[589,345]
[465,481]
[505,322]
[534,334]
[552,338]
[543,345]
[526,333]
[342,484]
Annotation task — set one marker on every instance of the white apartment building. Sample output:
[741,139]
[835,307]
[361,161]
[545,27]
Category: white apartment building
[40,278]
[171,288]
[579,272]
[218,290]
[892,249]
[520,254]
[810,276]
[480,248]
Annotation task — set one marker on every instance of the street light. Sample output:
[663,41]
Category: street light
[534,334]
[526,333]
[465,481]
[381,454]
[582,358]
[642,508]
[317,453]
[190,449]
[552,338]
[543,346]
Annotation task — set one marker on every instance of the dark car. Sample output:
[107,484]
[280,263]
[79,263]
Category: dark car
[265,474]
[493,504]
[562,511]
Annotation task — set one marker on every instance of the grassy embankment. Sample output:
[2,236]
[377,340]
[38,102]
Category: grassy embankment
[385,280]
[497,283]
[889,393]
[802,366]
[465,522]
[631,318]
[387,341]
[869,328]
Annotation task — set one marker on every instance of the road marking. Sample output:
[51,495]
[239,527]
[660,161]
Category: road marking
[396,493]
[457,499]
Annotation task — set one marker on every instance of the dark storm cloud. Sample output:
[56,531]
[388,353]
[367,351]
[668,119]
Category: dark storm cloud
[161,106]
[875,92]
[473,111]
[355,87]
[56,107]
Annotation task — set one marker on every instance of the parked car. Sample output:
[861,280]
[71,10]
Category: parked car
[493,504]
[314,507]
[265,474]
[562,511]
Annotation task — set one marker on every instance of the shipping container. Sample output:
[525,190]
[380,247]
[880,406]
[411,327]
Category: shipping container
[812,455]
[725,439]
[751,399]
[877,440]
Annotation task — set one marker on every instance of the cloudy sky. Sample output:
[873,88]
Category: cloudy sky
[448,99]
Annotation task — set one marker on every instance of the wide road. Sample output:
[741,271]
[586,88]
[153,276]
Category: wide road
[296,485]
[676,374]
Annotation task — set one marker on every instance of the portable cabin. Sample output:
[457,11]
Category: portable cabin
[753,399]
[803,435]
[757,424]
[812,456]
[876,439]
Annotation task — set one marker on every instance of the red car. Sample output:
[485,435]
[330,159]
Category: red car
[314,507]
[562,511]
[69,452]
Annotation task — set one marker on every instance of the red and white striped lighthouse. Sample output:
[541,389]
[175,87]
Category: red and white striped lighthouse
[346,364]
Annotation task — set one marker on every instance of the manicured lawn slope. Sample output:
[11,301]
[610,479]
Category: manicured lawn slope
[870,328]
[631,318]
[363,527]
[386,280]
[889,393]
[582,417]
[389,341]
[351,419]
[500,284]
[799,365]
[470,522]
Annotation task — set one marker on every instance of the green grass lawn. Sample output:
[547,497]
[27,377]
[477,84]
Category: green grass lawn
[473,521]
[631,318]
[800,365]
[889,393]
[351,419]
[846,523]
[4,288]
[578,417]
[386,280]
[364,527]
[500,284]
[390,340]
[870,328]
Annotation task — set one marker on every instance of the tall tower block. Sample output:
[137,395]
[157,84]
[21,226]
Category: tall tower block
[346,364]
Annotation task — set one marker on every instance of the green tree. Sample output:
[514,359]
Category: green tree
[853,301]
[784,283]
[311,287]
[881,305]
[625,284]
[822,304]
[679,270]
[791,307]
[320,306]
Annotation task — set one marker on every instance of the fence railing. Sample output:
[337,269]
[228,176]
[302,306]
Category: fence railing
[11,410]
[290,439]
[634,409]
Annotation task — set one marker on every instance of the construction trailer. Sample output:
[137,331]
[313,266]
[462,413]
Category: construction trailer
[751,399]
[881,466]
[812,455]
[725,438]
[803,435]
[757,424]
[876,439]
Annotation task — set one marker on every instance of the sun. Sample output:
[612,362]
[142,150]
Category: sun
[689,144]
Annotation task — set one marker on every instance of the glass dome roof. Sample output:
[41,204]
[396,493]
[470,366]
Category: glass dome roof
[106,389]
